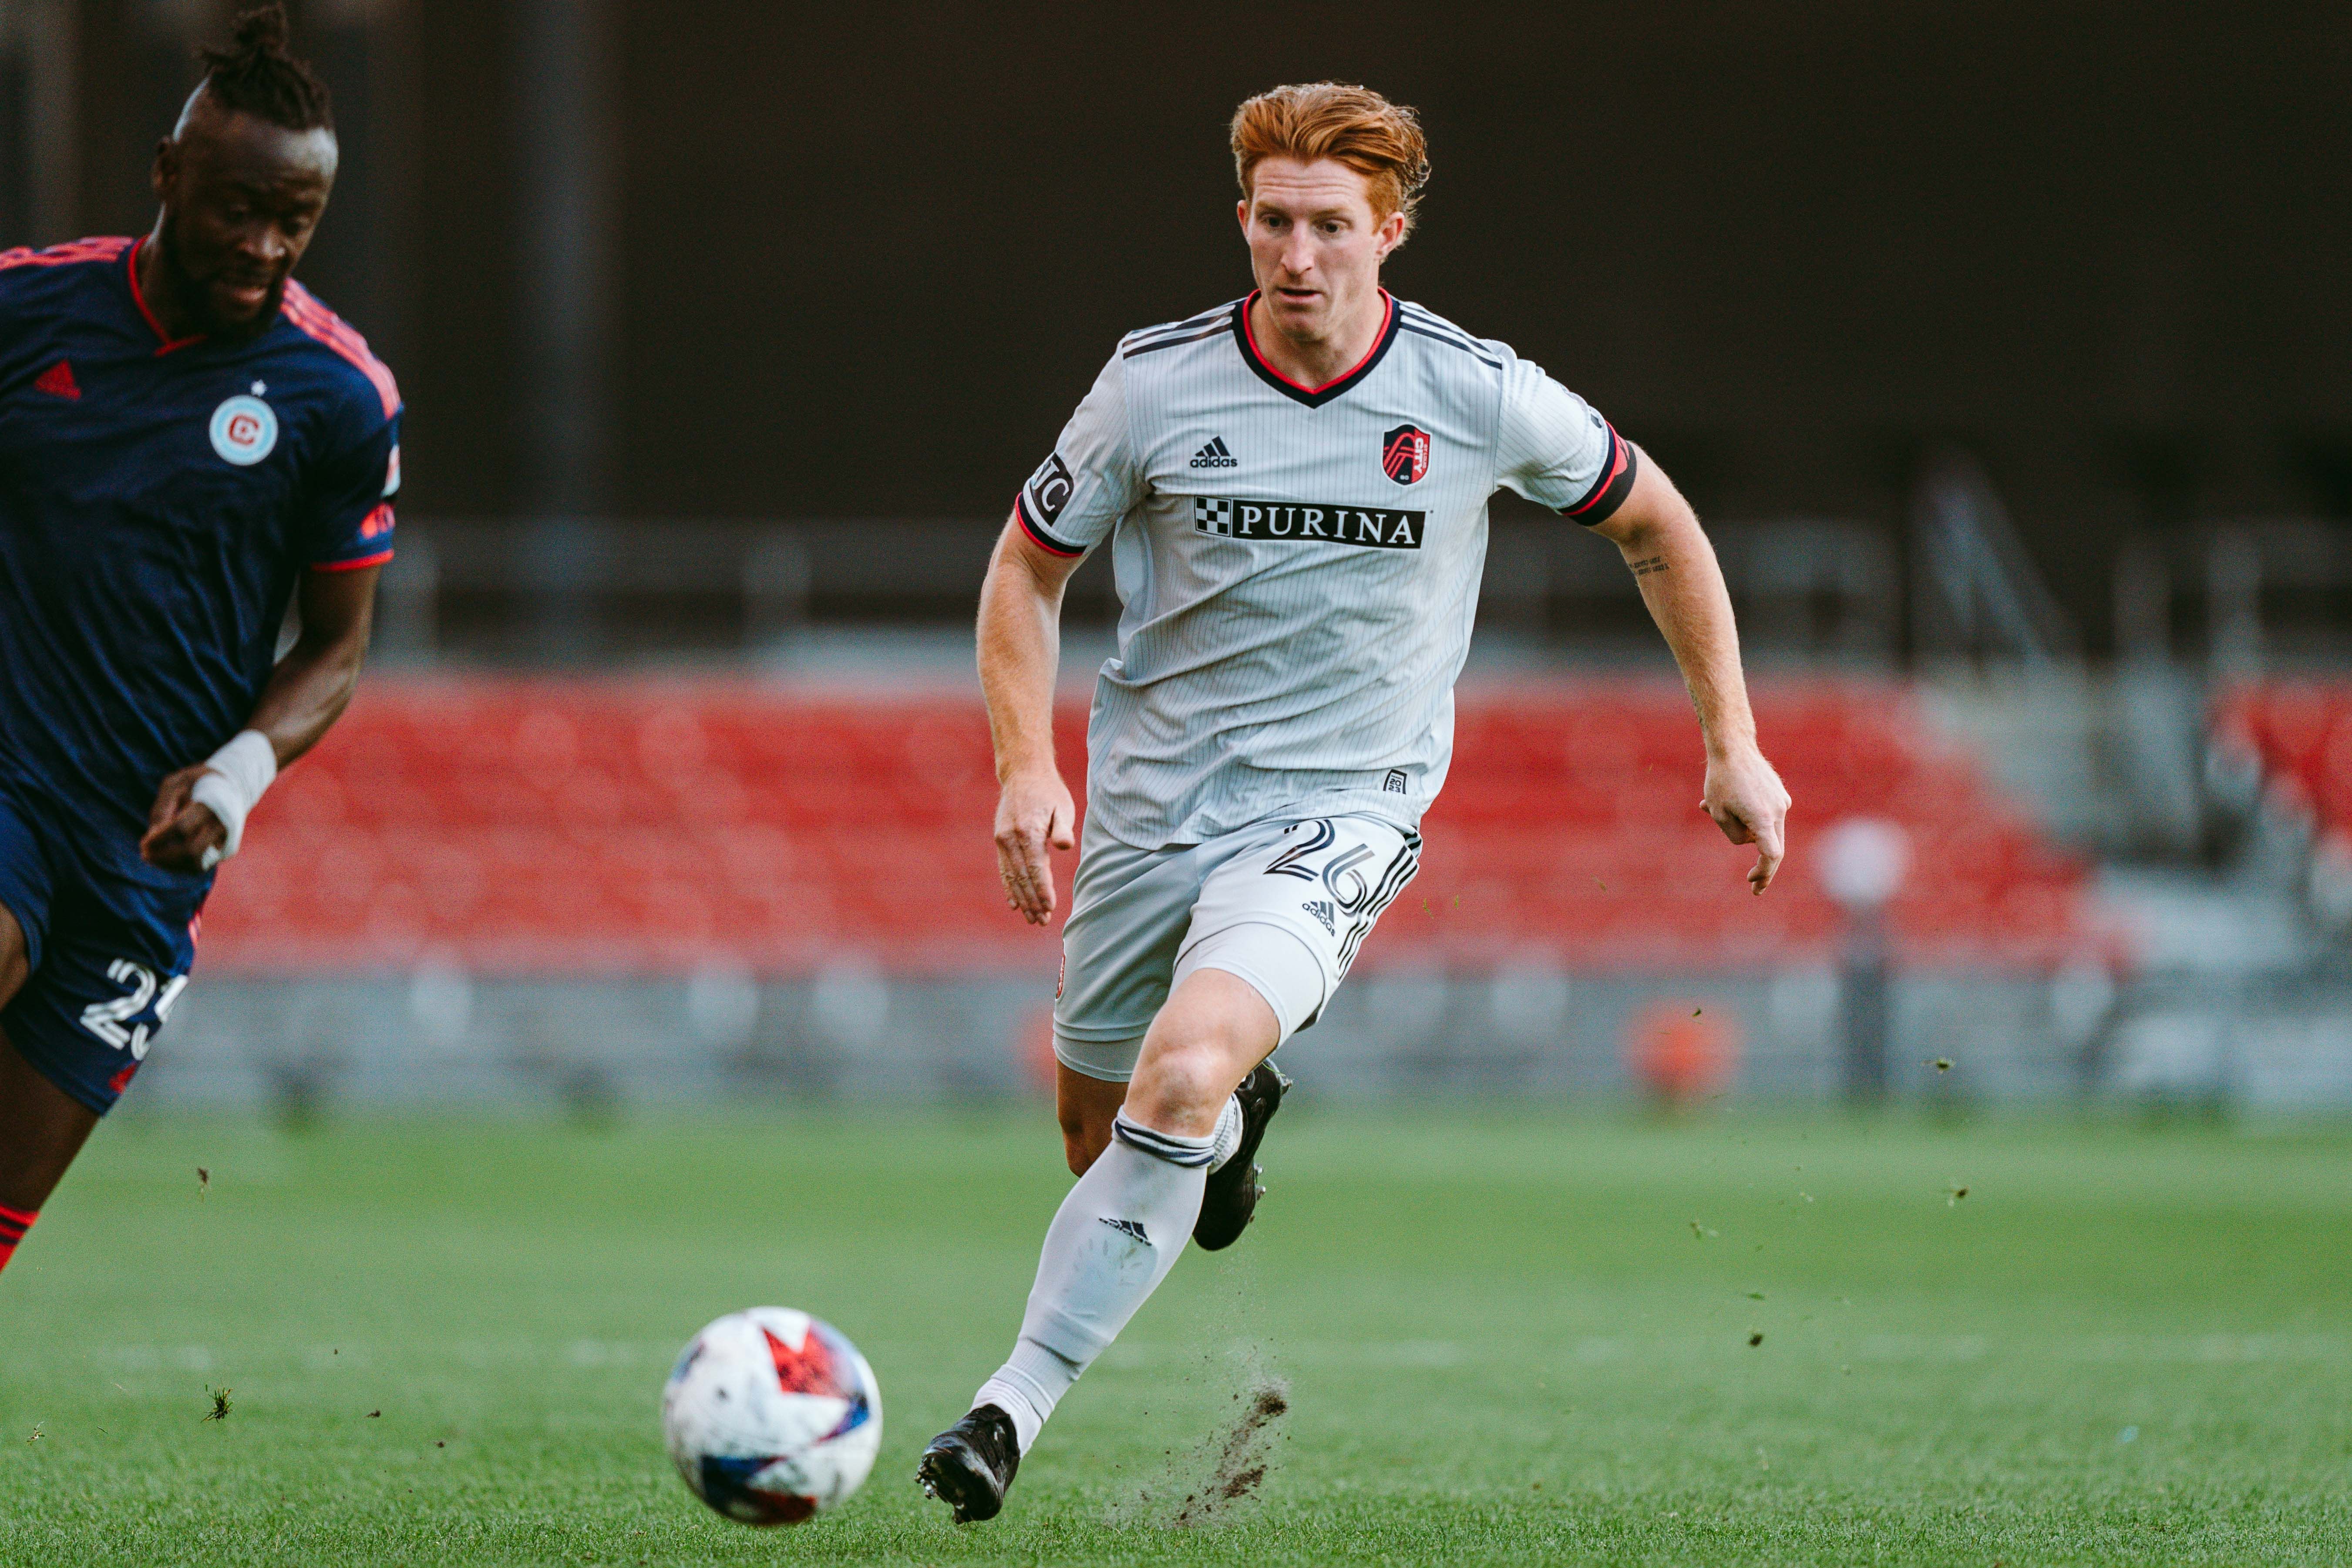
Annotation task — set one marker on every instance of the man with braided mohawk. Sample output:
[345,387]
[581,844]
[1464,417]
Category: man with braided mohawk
[190,442]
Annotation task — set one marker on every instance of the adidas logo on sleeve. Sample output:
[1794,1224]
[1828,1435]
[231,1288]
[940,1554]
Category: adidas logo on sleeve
[1214,455]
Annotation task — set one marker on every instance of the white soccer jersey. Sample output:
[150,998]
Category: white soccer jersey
[1299,568]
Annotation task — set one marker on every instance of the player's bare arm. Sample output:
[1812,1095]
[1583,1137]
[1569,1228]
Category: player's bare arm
[1683,585]
[1020,657]
[306,693]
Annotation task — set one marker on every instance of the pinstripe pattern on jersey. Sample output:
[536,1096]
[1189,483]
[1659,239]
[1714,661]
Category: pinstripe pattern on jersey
[1448,338]
[1220,330]
[1171,329]
[1454,343]
[1261,674]
[1417,320]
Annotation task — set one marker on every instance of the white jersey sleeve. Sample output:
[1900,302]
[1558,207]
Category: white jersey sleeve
[1077,495]
[1555,449]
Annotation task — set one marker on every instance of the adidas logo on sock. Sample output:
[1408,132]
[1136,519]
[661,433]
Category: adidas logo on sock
[1128,1228]
[1214,455]
[1322,910]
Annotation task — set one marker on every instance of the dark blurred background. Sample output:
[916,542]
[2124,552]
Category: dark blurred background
[2006,349]
[752,260]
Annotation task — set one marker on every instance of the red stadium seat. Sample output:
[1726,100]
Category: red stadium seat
[2301,733]
[554,826]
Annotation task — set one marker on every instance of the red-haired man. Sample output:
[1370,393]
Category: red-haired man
[1294,488]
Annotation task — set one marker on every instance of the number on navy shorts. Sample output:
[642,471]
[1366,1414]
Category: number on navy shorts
[110,1020]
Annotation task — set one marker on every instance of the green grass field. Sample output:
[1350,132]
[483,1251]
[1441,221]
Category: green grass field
[1519,1337]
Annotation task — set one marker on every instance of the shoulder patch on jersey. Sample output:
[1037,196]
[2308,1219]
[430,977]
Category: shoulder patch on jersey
[307,313]
[1038,504]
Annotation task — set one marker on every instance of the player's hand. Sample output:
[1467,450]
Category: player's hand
[179,829]
[1750,803]
[1035,816]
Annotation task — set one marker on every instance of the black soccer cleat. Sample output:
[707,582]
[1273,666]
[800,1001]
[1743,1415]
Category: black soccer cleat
[1234,1191]
[969,1465]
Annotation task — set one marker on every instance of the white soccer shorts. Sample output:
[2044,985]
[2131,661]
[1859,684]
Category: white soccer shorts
[1285,905]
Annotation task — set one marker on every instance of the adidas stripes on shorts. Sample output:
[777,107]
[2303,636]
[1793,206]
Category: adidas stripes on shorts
[1284,905]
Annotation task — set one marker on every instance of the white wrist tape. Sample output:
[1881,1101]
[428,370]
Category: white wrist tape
[232,785]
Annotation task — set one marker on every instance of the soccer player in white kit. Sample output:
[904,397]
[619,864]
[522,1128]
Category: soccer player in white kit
[1294,487]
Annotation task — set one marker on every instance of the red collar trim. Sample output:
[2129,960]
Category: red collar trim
[139,298]
[1379,342]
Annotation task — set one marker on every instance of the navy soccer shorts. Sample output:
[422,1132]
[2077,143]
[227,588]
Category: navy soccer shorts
[111,951]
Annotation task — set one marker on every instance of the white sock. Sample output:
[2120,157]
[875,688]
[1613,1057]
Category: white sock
[1228,1134]
[1111,1245]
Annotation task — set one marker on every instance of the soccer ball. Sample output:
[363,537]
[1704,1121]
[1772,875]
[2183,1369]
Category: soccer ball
[772,1415]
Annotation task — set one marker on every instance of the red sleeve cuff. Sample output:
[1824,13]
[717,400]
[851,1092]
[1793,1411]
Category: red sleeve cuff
[1042,540]
[365,560]
[1609,491]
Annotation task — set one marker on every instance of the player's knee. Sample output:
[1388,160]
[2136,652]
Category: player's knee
[1190,1073]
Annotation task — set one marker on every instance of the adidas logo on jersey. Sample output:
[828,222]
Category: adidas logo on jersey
[1322,910]
[1378,530]
[1214,455]
[57,381]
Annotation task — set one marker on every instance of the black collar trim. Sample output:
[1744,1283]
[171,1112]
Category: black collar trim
[1314,398]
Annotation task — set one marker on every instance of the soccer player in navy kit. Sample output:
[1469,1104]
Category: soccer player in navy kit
[189,443]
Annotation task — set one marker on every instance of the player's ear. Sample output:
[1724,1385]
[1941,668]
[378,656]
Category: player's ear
[166,169]
[1241,215]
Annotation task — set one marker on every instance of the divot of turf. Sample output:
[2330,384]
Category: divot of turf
[1241,1455]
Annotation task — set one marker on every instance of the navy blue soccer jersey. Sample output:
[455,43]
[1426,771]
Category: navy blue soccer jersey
[158,502]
